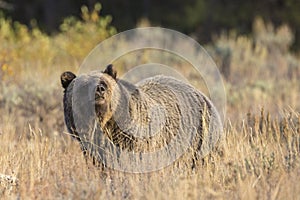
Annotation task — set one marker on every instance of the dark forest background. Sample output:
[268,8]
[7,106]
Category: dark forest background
[200,18]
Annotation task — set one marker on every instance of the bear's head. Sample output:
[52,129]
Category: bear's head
[89,95]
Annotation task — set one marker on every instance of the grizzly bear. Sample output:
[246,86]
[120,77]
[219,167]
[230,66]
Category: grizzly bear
[162,115]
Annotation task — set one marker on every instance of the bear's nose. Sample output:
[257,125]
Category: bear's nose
[99,94]
[100,89]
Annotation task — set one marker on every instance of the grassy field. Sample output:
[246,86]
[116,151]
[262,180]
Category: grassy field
[39,160]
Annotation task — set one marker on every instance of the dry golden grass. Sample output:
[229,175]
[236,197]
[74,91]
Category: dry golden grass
[260,159]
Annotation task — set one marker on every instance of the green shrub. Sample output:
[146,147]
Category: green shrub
[24,50]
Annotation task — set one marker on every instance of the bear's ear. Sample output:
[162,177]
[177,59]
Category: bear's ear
[66,78]
[110,70]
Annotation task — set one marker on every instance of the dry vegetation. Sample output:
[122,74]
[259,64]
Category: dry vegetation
[39,160]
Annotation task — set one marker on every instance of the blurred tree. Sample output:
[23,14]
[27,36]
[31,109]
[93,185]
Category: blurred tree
[201,18]
[6,6]
[212,16]
[49,14]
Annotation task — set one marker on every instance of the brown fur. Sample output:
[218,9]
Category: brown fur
[142,118]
